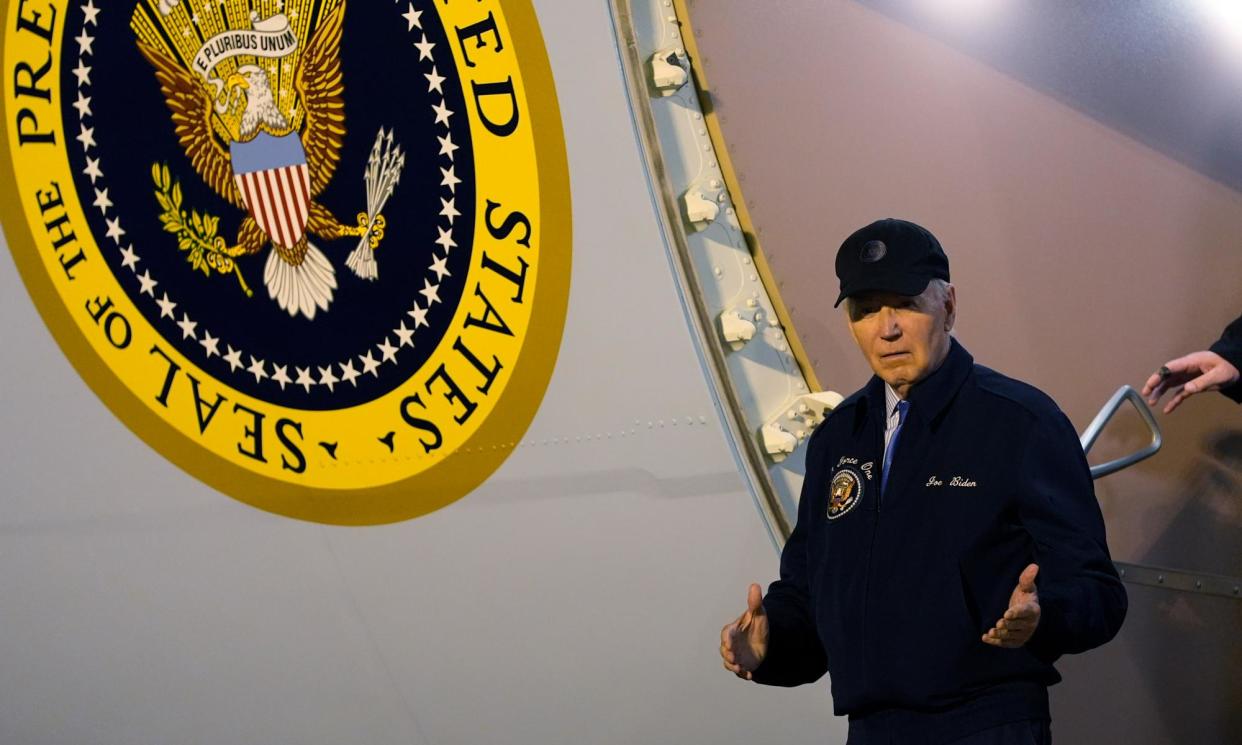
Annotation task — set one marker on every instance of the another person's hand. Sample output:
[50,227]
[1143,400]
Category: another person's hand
[1195,373]
[1019,622]
[744,643]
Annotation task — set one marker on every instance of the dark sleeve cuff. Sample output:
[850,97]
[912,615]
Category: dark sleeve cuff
[794,654]
[1050,635]
[1231,349]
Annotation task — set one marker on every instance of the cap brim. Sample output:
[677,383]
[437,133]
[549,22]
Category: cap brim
[902,284]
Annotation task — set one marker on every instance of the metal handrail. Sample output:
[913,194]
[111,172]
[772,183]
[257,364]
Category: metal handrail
[1092,433]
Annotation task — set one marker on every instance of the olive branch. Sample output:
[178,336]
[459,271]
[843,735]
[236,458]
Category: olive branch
[196,234]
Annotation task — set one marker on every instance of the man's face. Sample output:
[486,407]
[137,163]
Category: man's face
[903,338]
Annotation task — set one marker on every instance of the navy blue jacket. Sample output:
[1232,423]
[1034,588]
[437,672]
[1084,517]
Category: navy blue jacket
[1229,346]
[892,596]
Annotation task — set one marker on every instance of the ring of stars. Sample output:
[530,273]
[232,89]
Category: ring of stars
[374,359]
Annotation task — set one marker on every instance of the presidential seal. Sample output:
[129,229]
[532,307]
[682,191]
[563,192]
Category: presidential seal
[316,252]
[845,492]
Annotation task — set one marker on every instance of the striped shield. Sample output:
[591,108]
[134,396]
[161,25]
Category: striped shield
[272,176]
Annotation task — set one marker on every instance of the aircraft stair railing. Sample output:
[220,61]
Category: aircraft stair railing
[1143,574]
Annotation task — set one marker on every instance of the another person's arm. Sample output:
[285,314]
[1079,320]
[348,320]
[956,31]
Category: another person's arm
[1213,369]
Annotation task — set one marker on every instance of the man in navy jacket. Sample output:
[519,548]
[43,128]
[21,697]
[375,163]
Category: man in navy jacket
[949,547]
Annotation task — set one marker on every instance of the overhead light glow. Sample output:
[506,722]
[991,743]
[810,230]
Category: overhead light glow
[1226,15]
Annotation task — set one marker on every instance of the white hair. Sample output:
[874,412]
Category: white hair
[937,290]
[936,295]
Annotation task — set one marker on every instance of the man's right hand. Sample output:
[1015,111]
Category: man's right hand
[744,643]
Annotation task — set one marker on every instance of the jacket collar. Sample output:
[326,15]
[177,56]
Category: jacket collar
[932,394]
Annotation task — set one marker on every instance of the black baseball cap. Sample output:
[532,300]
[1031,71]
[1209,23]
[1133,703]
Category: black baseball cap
[890,255]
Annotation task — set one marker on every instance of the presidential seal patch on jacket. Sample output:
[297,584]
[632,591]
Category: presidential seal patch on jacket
[315,252]
[844,493]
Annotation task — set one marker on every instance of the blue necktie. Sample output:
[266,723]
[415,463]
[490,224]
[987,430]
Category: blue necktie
[903,406]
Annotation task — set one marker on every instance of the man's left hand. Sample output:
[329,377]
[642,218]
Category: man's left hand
[1019,622]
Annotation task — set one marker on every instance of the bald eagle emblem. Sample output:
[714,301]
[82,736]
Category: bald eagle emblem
[844,494]
[261,118]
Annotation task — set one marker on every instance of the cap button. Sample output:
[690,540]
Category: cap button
[872,251]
